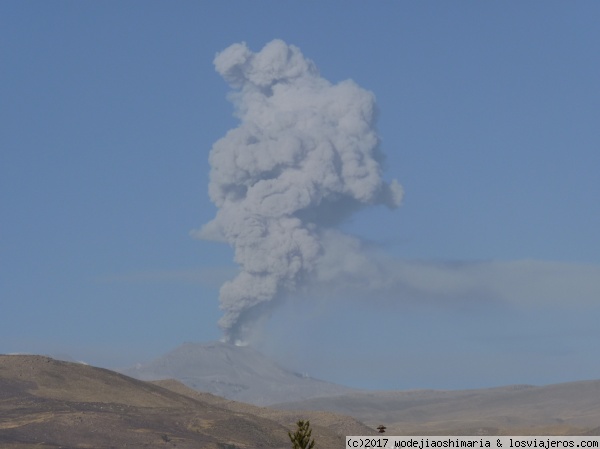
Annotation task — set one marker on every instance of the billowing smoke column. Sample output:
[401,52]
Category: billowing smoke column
[303,158]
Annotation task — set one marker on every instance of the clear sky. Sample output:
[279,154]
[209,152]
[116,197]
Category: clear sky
[488,114]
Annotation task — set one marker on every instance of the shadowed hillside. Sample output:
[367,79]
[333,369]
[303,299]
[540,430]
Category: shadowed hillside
[45,403]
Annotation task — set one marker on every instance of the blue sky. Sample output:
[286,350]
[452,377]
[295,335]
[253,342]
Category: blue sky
[488,116]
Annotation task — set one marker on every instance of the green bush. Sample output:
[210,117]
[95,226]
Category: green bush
[301,437]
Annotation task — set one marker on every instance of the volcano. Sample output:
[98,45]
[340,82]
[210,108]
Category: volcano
[240,373]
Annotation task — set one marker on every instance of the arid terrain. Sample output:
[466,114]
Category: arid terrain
[244,374]
[45,403]
[562,409]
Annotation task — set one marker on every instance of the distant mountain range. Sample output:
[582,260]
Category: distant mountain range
[46,404]
[239,373]
[244,374]
[562,409]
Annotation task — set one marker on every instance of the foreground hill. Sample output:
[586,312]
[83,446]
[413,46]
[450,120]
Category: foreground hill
[235,372]
[45,403]
[321,422]
[561,409]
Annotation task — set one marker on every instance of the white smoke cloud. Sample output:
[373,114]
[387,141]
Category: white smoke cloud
[304,157]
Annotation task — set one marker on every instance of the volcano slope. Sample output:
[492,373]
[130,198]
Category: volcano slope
[240,373]
[45,403]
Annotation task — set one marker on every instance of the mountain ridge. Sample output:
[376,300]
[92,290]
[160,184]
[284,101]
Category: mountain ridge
[47,404]
[565,408]
[239,373]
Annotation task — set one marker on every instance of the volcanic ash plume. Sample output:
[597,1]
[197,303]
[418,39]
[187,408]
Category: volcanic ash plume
[303,158]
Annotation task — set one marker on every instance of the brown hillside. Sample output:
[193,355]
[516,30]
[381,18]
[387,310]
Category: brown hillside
[561,409]
[45,403]
[323,423]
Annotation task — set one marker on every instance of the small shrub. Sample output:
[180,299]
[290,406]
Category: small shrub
[301,437]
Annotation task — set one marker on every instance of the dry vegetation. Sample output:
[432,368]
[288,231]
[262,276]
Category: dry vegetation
[562,409]
[45,403]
